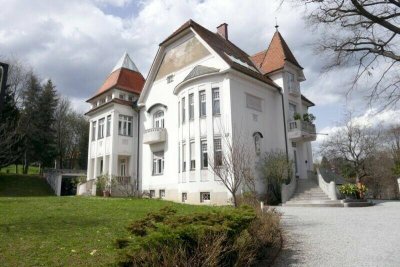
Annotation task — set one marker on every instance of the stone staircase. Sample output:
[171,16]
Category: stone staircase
[309,194]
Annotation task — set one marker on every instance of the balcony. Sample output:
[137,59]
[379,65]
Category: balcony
[301,131]
[154,135]
[294,91]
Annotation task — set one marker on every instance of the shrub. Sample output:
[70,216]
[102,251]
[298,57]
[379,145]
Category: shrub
[348,190]
[230,237]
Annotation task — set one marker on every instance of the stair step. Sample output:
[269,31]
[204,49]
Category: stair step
[313,205]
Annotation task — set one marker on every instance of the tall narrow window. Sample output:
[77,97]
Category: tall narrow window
[291,85]
[101,129]
[158,163]
[158,119]
[183,157]
[179,113]
[183,110]
[192,156]
[122,167]
[108,125]
[216,102]
[93,131]
[204,154]
[191,106]
[217,152]
[125,125]
[202,100]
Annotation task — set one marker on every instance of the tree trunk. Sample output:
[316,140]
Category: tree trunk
[235,204]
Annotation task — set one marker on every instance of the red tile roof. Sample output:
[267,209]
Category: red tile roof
[224,48]
[114,100]
[275,56]
[124,79]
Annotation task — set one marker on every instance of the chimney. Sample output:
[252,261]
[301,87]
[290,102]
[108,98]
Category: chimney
[222,30]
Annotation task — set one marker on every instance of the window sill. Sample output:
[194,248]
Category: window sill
[217,115]
[203,117]
[158,174]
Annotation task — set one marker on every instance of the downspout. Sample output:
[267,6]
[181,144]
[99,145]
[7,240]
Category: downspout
[284,125]
[138,149]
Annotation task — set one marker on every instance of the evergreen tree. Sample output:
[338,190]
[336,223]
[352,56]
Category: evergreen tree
[45,124]
[29,119]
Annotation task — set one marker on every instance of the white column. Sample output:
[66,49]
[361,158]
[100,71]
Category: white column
[95,169]
[89,160]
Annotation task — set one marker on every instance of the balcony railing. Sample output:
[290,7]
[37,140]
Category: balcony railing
[302,131]
[123,180]
[295,90]
[154,135]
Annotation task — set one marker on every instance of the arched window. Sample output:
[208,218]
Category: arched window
[257,142]
[158,119]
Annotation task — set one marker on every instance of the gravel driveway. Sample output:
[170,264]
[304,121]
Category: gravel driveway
[367,236]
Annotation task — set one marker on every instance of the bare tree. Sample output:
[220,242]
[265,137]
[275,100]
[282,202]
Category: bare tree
[362,33]
[233,165]
[353,143]
[276,169]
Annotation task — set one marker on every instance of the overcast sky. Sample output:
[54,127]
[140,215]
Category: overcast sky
[76,43]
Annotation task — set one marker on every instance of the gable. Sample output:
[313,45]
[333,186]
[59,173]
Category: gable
[182,55]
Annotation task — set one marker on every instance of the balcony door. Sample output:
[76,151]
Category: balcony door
[122,167]
[158,119]
[292,111]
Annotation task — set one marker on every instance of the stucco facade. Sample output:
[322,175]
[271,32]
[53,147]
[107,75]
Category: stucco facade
[201,89]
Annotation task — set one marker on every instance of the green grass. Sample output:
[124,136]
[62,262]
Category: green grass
[11,169]
[23,185]
[64,231]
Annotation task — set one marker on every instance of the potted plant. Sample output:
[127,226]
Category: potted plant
[297,116]
[309,117]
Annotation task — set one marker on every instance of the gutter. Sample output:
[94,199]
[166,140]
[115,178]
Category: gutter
[137,108]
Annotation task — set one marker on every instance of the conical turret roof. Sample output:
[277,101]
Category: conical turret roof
[124,76]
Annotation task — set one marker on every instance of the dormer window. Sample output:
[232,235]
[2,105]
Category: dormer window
[170,78]
[158,119]
[102,101]
[122,96]
[130,98]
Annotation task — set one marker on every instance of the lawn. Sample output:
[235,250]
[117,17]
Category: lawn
[11,169]
[66,231]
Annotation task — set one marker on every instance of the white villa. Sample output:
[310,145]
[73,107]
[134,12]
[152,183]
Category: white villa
[159,134]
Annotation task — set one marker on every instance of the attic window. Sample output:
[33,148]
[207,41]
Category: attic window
[102,101]
[122,96]
[130,98]
[170,78]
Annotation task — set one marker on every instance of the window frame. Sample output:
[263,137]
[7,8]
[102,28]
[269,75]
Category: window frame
[191,106]
[159,119]
[192,147]
[202,100]
[161,193]
[125,124]
[158,163]
[204,154]
[183,157]
[202,197]
[100,130]
[183,110]
[184,197]
[216,98]
[152,193]
[94,133]
[218,151]
[108,126]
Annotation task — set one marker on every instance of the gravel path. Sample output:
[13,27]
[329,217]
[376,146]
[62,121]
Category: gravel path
[367,236]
